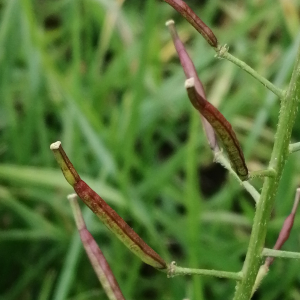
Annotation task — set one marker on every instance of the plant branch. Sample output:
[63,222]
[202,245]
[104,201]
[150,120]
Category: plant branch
[294,147]
[174,270]
[222,52]
[279,253]
[221,159]
[262,173]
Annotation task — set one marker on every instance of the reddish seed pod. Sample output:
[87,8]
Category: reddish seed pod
[286,228]
[222,127]
[118,226]
[190,71]
[194,20]
[105,213]
[95,255]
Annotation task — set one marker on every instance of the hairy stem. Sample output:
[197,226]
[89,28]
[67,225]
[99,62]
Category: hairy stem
[262,173]
[222,160]
[222,52]
[282,254]
[174,270]
[280,153]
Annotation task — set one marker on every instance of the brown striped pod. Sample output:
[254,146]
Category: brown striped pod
[105,213]
[222,127]
[194,20]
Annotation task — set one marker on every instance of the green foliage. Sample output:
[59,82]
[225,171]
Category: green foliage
[107,83]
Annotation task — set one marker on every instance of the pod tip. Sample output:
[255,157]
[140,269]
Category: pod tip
[170,22]
[189,83]
[55,145]
[72,196]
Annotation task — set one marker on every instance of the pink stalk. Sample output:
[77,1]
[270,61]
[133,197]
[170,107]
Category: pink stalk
[190,71]
[95,255]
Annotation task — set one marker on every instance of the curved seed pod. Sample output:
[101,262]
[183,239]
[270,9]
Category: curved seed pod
[222,127]
[95,255]
[286,228]
[105,213]
[190,71]
[194,20]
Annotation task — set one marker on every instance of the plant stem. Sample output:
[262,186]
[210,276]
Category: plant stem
[221,159]
[294,147]
[279,253]
[175,270]
[262,173]
[279,155]
[222,52]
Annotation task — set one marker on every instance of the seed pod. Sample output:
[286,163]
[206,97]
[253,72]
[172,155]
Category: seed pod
[66,166]
[95,255]
[190,71]
[194,20]
[222,127]
[286,229]
[105,213]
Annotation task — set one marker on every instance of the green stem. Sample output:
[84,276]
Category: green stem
[294,147]
[281,254]
[263,173]
[222,52]
[279,156]
[174,270]
[221,159]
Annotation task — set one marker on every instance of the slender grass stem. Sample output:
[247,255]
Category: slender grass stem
[193,204]
[174,270]
[282,254]
[222,52]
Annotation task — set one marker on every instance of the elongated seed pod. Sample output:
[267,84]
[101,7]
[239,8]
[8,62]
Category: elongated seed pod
[105,213]
[95,255]
[285,231]
[190,71]
[222,127]
[194,20]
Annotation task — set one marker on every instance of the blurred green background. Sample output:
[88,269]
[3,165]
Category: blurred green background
[103,77]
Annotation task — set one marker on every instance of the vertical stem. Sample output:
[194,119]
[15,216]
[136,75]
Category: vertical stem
[280,153]
[193,202]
